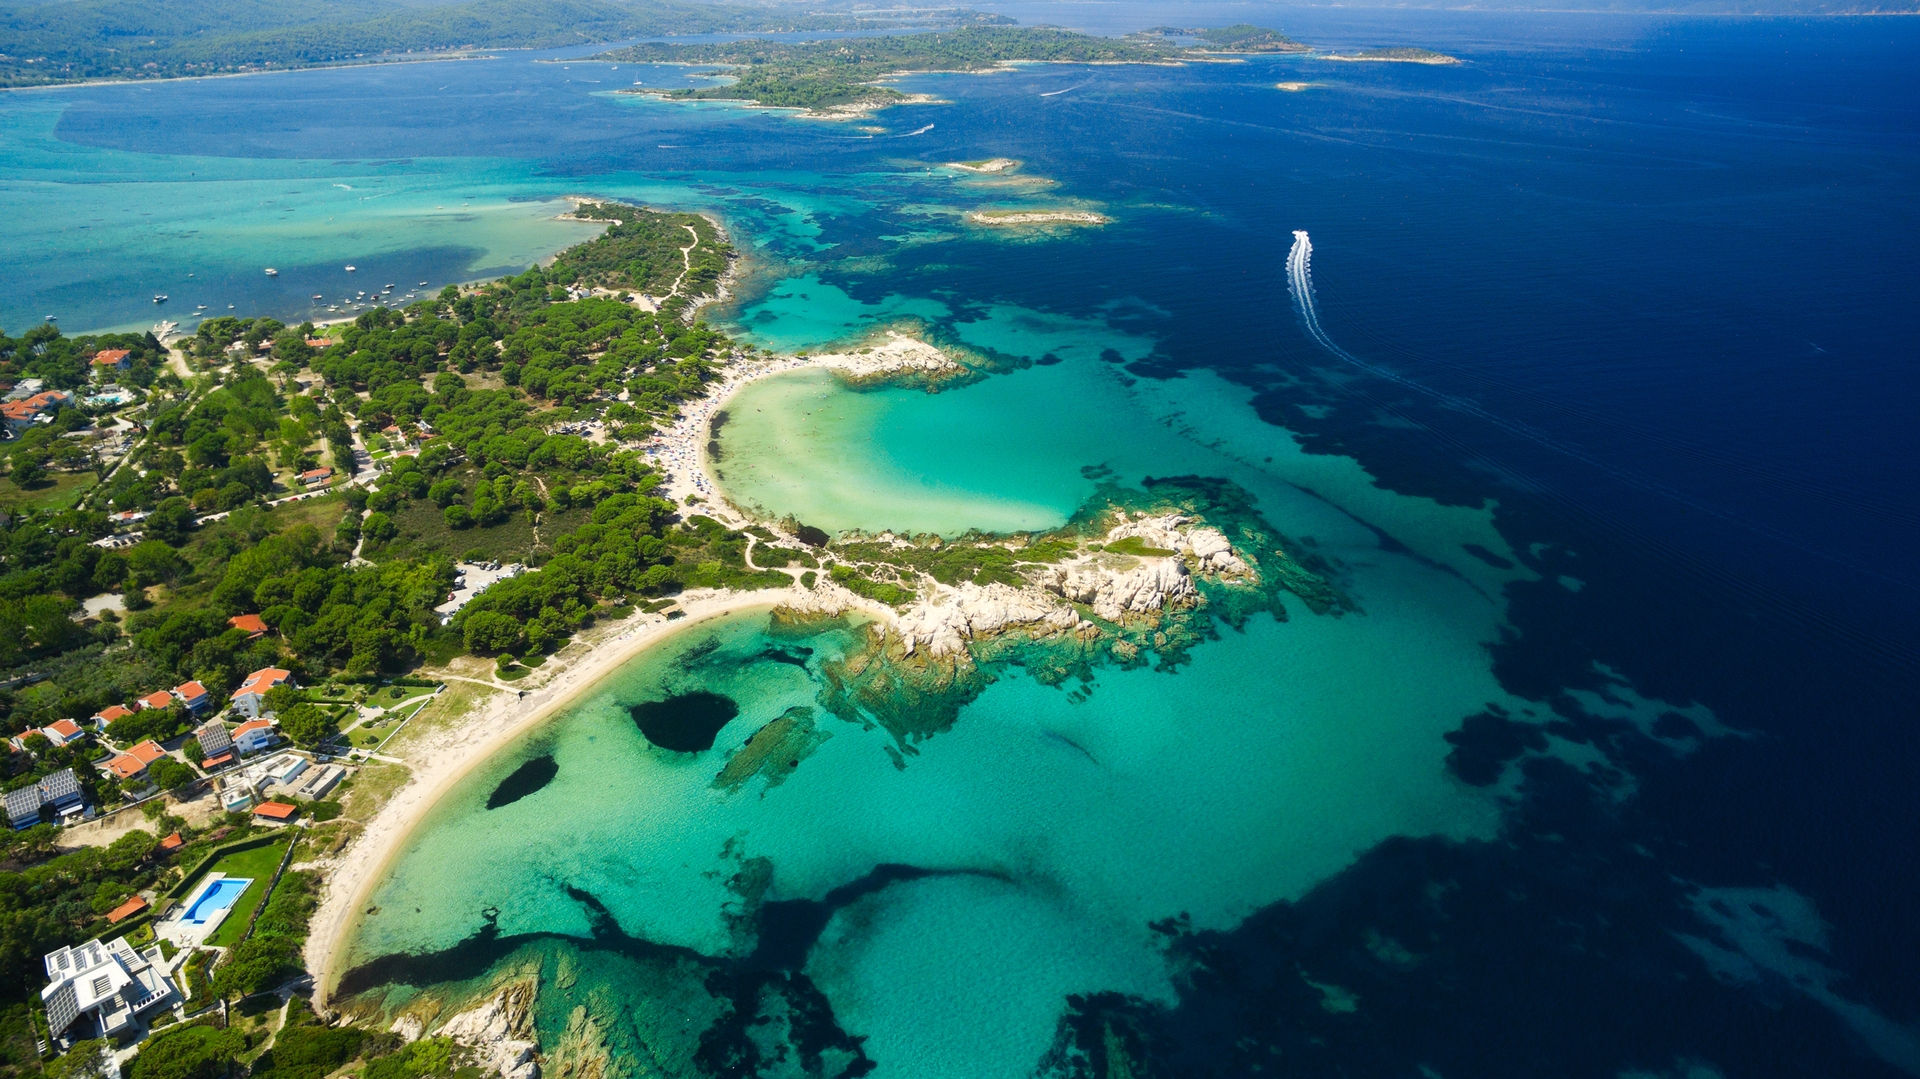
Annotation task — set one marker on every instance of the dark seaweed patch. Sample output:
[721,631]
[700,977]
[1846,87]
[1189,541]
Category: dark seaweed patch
[685,722]
[525,780]
[1485,743]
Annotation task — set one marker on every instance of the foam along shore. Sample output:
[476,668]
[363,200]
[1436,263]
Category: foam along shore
[441,758]
[1017,218]
[988,166]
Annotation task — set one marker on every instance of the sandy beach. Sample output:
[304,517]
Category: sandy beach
[440,759]
[444,757]
[680,451]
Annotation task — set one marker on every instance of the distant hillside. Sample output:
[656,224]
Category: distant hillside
[52,41]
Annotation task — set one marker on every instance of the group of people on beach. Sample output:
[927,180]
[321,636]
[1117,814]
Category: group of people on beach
[678,449]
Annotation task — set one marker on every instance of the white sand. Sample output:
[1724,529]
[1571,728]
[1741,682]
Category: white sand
[442,758]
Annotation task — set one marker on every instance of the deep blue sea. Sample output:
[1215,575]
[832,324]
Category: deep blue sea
[1641,288]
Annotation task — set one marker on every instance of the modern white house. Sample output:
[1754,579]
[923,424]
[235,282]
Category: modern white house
[251,697]
[100,989]
[255,735]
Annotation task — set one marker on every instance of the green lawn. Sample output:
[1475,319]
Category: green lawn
[257,865]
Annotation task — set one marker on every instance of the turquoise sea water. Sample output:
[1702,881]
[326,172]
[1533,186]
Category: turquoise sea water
[1607,768]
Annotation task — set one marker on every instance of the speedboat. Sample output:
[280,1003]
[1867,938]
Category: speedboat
[159,297]
[350,269]
[53,318]
[271,272]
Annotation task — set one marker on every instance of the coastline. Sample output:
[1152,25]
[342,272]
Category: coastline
[448,756]
[489,54]
[680,450]
[454,753]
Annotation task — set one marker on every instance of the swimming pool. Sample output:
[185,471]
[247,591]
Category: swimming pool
[213,899]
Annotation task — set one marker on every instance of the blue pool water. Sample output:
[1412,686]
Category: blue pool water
[214,898]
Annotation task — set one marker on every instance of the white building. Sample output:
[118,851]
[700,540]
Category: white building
[101,988]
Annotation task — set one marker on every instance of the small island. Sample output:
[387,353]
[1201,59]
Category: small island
[1016,218]
[986,166]
[1238,38]
[1396,55]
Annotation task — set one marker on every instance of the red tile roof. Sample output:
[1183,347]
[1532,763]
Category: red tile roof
[316,473]
[65,728]
[172,842]
[249,622]
[109,356]
[135,760]
[275,810]
[17,410]
[263,679]
[215,762]
[127,910]
[252,725]
[159,698]
[188,691]
[115,711]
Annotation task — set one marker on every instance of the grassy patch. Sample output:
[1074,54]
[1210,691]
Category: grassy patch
[446,709]
[61,490]
[373,784]
[1137,547]
[890,594]
[257,865]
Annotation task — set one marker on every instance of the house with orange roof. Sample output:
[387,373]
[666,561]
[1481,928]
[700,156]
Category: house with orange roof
[21,415]
[251,697]
[159,698]
[18,417]
[279,812]
[107,715]
[255,735]
[193,695]
[127,910]
[109,362]
[63,731]
[316,477]
[131,766]
[172,843]
[254,626]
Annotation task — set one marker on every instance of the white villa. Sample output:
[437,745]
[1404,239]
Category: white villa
[101,988]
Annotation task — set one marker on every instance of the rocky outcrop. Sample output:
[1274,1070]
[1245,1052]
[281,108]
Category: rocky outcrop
[1119,587]
[1119,594]
[942,625]
[1212,553]
[500,1032]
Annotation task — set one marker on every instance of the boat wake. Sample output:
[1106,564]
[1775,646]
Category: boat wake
[1071,89]
[1300,285]
[915,131]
